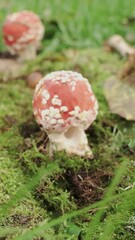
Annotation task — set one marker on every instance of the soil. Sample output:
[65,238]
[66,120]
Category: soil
[29,128]
[9,122]
[7,55]
[88,187]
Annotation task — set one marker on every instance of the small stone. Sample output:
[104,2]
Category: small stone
[33,79]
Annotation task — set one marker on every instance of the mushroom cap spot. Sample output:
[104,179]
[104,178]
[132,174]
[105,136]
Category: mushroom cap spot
[56,101]
[64,109]
[77,107]
[22,28]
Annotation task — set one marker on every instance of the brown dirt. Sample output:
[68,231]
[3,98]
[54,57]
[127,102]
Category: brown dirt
[28,128]
[7,55]
[85,187]
[21,220]
[9,121]
[88,187]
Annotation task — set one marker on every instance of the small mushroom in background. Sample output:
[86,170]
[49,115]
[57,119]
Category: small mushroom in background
[119,44]
[65,106]
[22,33]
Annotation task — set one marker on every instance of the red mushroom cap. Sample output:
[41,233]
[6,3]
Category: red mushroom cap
[21,29]
[64,98]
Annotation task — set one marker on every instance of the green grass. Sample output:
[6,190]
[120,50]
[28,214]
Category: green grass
[80,24]
[42,198]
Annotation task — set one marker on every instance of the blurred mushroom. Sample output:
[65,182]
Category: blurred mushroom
[22,32]
[64,105]
[119,44]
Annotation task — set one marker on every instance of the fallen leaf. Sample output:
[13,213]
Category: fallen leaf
[120,95]
[9,68]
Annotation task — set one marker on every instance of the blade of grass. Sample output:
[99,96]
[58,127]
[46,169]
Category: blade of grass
[28,235]
[96,219]
[115,220]
[9,230]
[22,192]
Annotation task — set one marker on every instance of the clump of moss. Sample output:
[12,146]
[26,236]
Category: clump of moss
[54,196]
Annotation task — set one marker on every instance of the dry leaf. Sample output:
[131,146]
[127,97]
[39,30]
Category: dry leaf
[120,95]
[9,69]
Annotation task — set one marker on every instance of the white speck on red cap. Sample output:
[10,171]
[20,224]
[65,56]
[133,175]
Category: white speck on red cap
[64,109]
[71,102]
[56,101]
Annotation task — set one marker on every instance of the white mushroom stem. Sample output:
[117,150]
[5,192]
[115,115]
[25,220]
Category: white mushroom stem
[73,140]
[27,54]
[120,45]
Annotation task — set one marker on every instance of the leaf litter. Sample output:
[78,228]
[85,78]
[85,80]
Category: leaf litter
[119,90]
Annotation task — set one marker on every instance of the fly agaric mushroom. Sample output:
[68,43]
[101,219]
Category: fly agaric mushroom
[22,32]
[65,106]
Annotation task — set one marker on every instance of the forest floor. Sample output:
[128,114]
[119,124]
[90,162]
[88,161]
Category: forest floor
[66,197]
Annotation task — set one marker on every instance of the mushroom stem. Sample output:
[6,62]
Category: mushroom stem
[73,140]
[120,45]
[27,54]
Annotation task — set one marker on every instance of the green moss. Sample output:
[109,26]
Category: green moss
[26,214]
